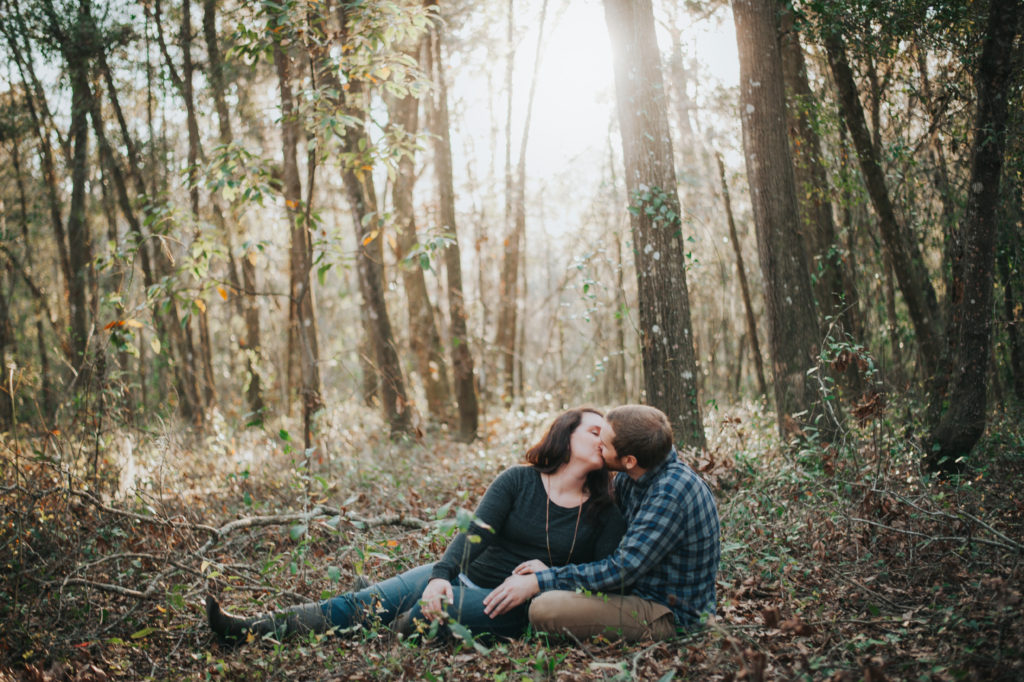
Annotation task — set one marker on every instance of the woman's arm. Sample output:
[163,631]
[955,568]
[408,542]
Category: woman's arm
[487,523]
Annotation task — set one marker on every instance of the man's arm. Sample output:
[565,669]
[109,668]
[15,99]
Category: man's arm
[657,528]
[653,533]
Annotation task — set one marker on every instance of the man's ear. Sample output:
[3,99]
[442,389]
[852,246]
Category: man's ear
[628,462]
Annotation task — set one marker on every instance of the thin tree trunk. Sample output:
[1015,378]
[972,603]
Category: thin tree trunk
[79,241]
[209,392]
[505,335]
[462,360]
[366,221]
[169,328]
[424,338]
[248,306]
[904,250]
[741,271]
[37,114]
[1013,310]
[961,425]
[669,363]
[305,349]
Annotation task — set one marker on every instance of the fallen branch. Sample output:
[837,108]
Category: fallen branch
[938,538]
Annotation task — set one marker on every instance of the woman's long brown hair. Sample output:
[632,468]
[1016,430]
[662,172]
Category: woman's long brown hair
[554,449]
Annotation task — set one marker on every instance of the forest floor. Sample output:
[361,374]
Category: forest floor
[846,563]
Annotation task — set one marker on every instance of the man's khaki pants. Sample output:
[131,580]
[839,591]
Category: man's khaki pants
[613,616]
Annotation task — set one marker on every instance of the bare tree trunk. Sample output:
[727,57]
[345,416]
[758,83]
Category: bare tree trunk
[209,392]
[249,308]
[669,362]
[792,325]
[366,221]
[462,360]
[424,338]
[79,242]
[302,315]
[741,271]
[962,423]
[505,335]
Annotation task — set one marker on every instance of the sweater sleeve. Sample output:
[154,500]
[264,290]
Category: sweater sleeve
[487,522]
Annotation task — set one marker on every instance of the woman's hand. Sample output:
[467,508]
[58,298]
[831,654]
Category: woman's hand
[436,594]
[514,591]
[531,566]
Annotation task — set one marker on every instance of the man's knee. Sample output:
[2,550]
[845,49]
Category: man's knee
[548,608]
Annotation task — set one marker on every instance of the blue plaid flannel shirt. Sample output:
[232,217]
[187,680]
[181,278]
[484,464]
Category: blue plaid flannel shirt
[671,548]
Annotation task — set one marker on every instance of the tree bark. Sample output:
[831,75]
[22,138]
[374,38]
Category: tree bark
[962,423]
[464,378]
[79,242]
[792,325]
[669,363]
[835,293]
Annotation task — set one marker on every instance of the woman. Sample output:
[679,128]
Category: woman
[555,510]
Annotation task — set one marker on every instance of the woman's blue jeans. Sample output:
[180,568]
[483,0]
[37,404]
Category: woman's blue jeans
[387,599]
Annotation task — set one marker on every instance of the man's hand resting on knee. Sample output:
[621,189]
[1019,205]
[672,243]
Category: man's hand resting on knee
[514,591]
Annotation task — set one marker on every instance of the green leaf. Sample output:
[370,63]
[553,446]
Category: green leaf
[284,435]
[298,530]
[144,632]
[321,272]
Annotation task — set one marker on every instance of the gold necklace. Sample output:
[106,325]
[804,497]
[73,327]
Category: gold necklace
[547,516]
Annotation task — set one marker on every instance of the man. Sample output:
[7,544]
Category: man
[662,575]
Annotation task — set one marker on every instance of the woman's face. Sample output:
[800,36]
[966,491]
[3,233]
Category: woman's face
[585,444]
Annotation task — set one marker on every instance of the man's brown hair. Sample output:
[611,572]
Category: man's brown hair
[642,431]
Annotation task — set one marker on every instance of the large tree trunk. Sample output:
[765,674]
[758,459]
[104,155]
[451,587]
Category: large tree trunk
[424,338]
[835,294]
[963,422]
[670,372]
[908,263]
[462,360]
[303,344]
[741,271]
[792,325]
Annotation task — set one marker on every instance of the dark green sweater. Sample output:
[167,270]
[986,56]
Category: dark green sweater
[514,508]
